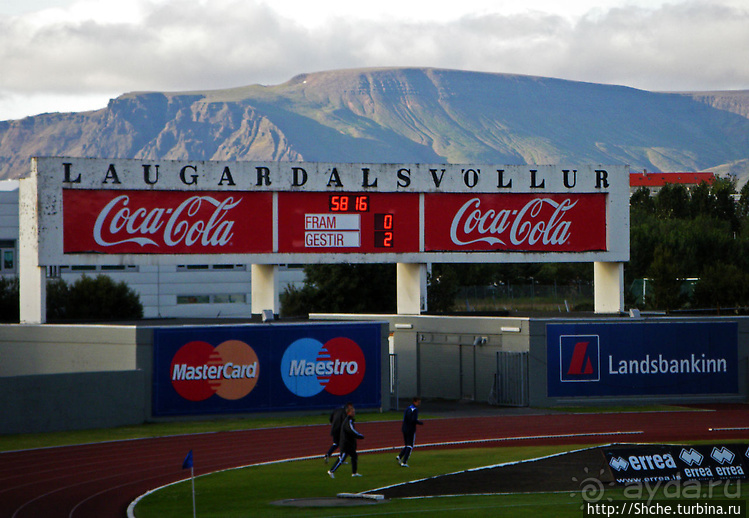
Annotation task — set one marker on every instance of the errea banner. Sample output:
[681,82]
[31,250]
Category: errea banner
[650,463]
[642,358]
[249,368]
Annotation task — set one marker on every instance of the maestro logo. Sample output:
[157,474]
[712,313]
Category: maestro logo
[579,358]
[308,366]
[230,370]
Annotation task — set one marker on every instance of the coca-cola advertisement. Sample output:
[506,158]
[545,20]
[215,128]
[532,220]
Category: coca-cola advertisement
[515,222]
[166,222]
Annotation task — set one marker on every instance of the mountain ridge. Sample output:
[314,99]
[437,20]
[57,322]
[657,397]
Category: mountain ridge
[402,114]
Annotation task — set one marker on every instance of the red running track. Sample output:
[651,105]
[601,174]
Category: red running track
[101,480]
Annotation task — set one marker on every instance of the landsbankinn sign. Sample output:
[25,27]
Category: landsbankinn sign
[299,212]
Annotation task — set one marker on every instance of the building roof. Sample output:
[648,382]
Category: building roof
[661,179]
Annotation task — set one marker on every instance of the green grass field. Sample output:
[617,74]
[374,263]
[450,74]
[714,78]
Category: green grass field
[251,491]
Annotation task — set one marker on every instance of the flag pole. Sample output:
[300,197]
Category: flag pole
[192,475]
[188,463]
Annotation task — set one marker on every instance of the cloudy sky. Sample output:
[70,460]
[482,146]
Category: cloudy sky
[73,55]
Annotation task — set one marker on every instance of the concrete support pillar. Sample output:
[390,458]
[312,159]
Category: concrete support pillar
[608,286]
[265,293]
[411,288]
[31,276]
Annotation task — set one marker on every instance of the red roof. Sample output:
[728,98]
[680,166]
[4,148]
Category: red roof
[661,179]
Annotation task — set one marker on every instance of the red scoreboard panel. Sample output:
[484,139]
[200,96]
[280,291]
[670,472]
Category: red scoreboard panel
[167,222]
[458,222]
[324,222]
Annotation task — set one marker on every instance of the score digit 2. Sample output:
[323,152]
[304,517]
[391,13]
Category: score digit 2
[383,230]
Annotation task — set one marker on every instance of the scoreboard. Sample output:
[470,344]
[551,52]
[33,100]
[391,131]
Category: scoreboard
[348,222]
[277,213]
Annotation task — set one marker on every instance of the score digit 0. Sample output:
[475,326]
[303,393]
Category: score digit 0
[383,230]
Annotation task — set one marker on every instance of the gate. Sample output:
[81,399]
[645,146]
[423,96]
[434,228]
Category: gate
[511,380]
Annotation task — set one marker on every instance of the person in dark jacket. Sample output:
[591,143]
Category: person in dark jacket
[348,439]
[410,420]
[336,420]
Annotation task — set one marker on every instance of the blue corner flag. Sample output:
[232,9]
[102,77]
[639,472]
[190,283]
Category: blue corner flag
[188,461]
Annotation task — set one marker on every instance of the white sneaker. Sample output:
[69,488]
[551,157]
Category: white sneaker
[399,460]
[332,475]
[404,465]
[356,474]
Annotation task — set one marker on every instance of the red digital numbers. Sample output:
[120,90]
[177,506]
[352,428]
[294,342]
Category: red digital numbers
[348,203]
[383,230]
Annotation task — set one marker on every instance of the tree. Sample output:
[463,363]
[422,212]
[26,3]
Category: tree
[641,202]
[97,298]
[672,201]
[442,288]
[723,190]
[666,279]
[722,286]
[343,288]
[702,201]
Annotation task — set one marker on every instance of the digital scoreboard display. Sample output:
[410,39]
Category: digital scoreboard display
[317,222]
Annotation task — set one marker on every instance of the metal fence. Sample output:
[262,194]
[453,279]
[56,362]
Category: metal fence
[511,380]
[507,295]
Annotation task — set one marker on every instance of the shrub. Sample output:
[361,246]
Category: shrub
[98,298]
[9,299]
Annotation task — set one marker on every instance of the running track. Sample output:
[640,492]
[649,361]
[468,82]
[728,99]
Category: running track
[100,480]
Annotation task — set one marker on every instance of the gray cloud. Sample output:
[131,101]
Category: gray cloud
[183,45]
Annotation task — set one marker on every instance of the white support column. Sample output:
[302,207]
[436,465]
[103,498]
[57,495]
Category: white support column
[265,293]
[608,286]
[31,276]
[411,288]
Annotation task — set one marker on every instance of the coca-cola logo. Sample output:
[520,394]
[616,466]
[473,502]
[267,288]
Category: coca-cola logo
[119,222]
[166,222]
[529,224]
[516,222]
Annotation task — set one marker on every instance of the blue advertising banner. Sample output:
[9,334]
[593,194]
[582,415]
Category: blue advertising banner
[641,358]
[249,368]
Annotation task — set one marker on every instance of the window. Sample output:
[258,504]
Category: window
[220,267]
[9,263]
[219,298]
[230,298]
[193,299]
[7,256]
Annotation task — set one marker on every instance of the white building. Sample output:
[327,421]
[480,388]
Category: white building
[207,290]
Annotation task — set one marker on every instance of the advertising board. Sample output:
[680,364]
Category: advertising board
[166,222]
[657,463]
[252,368]
[641,358]
[515,222]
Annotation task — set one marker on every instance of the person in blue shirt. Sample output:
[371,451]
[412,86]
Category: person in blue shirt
[410,420]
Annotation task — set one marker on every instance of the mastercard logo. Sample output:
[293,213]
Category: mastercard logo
[308,366]
[229,370]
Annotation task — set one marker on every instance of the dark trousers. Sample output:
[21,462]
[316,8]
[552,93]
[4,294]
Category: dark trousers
[332,448]
[408,439]
[342,458]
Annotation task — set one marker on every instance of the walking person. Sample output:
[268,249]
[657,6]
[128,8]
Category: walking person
[410,420]
[347,443]
[336,420]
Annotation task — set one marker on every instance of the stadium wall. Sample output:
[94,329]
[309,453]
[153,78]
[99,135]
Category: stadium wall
[68,377]
[58,377]
[456,357]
